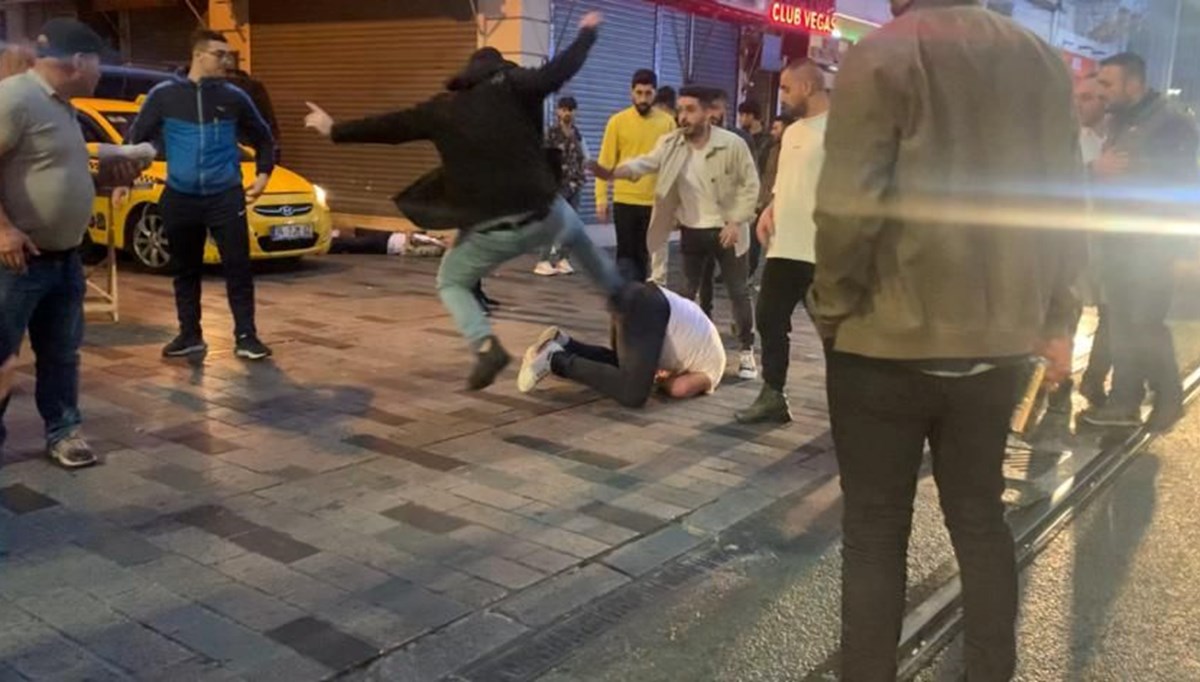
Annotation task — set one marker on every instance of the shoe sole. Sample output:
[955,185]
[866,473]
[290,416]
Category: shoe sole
[747,374]
[763,420]
[548,334]
[247,355]
[190,350]
[72,465]
[1111,423]
[488,381]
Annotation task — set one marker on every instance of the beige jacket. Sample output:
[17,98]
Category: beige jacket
[730,166]
[952,155]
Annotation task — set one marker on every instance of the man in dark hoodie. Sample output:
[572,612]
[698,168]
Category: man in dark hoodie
[496,184]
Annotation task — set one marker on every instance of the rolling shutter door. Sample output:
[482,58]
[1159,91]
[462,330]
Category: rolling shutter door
[672,47]
[715,56]
[626,44]
[377,66]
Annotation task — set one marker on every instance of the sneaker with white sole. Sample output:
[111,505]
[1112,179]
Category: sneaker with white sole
[536,365]
[564,267]
[72,452]
[747,367]
[548,335]
[185,345]
[545,269]
[248,347]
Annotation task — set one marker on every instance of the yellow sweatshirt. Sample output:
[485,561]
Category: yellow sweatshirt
[627,136]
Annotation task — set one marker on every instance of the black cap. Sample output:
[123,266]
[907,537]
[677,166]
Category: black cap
[64,37]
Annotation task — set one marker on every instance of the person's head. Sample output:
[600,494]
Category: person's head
[750,116]
[800,81]
[1089,105]
[15,58]
[695,106]
[718,109]
[211,54]
[664,99]
[779,125]
[1122,81]
[68,57]
[644,86]
[566,110]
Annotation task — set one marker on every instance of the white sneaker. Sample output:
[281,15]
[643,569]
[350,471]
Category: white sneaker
[536,365]
[548,335]
[564,267]
[747,368]
[545,269]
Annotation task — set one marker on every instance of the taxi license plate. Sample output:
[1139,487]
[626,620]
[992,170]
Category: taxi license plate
[291,233]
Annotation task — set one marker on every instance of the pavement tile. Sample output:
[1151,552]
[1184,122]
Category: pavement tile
[568,542]
[250,607]
[563,593]
[216,520]
[466,589]
[548,561]
[640,557]
[415,603]
[183,576]
[344,573]
[408,454]
[121,547]
[322,642]
[437,655]
[727,511]
[626,518]
[503,572]
[20,499]
[135,648]
[216,637]
[490,496]
[274,545]
[425,518]
[197,545]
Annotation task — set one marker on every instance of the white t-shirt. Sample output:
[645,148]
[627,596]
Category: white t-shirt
[693,343]
[801,155]
[698,207]
[1092,144]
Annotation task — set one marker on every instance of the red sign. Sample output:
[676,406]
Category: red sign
[1079,65]
[794,16]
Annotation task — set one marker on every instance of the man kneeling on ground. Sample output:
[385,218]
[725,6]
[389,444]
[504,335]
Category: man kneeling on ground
[659,338]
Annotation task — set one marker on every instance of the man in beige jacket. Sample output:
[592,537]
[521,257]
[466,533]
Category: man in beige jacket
[939,272]
[708,184]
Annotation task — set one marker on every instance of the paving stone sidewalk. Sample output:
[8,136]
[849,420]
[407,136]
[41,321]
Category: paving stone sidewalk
[299,518]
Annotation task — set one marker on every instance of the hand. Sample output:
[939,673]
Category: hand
[15,247]
[255,191]
[591,20]
[601,173]
[8,370]
[119,171]
[766,226]
[120,196]
[602,212]
[730,234]
[1111,163]
[1059,353]
[318,120]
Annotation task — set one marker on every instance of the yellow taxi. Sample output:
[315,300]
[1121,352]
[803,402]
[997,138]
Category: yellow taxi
[289,221]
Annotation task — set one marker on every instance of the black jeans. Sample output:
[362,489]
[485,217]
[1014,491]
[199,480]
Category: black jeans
[1139,283]
[700,249]
[625,372]
[633,224]
[188,220]
[882,413]
[785,284]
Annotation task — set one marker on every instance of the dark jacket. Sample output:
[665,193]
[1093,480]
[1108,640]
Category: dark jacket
[198,126]
[258,94]
[934,175]
[488,130]
[1161,141]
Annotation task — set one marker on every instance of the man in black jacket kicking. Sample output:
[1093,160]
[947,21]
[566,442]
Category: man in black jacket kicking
[497,184]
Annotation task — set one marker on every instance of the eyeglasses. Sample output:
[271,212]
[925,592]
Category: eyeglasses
[220,54]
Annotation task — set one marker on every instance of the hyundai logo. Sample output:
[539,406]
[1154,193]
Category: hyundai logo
[287,211]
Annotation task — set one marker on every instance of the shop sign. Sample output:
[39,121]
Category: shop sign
[789,15]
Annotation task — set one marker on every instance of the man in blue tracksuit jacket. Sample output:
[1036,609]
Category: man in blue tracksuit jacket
[197,123]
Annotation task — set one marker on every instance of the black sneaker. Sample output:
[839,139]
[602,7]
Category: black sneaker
[184,345]
[490,360]
[1163,418]
[250,348]
[1112,416]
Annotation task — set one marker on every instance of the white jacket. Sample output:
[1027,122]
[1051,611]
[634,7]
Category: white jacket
[729,164]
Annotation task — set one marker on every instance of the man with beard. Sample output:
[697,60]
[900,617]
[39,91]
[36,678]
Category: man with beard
[497,185]
[708,185]
[629,134]
[786,229]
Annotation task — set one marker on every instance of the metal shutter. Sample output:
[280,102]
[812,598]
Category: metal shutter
[161,34]
[715,56]
[378,66]
[602,88]
[1037,19]
[673,46]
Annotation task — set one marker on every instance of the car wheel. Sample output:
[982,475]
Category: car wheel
[146,239]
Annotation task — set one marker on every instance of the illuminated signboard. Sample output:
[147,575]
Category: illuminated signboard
[795,16]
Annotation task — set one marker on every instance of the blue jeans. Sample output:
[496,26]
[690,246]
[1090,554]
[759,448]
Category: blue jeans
[48,302]
[481,252]
[556,252]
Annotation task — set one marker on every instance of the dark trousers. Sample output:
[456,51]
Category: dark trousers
[633,224]
[1100,359]
[882,414]
[785,285]
[701,249]
[188,221]
[1139,283]
[626,371]
[46,301]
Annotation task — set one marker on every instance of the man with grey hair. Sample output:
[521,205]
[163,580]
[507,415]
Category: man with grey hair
[46,195]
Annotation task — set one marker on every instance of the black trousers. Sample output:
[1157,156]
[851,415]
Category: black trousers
[882,414]
[1100,360]
[626,371]
[785,285]
[633,224]
[1139,283]
[188,220]
[701,249]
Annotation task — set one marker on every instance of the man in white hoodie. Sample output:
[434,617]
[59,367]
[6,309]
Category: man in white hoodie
[788,233]
[708,184]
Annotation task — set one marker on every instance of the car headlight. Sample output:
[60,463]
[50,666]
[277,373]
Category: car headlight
[322,196]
